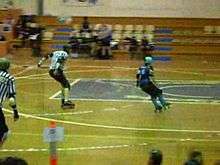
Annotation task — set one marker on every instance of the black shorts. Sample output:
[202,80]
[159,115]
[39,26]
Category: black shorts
[60,77]
[151,89]
[3,126]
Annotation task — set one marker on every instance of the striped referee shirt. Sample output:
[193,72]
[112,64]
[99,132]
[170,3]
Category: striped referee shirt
[7,86]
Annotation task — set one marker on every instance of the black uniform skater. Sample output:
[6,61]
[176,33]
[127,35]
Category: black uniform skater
[147,84]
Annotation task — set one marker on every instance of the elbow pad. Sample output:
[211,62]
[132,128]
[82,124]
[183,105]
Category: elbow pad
[12,102]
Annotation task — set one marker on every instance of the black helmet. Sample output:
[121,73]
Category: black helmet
[4,64]
[66,48]
[156,157]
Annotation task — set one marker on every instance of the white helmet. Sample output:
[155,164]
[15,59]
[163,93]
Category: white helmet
[148,60]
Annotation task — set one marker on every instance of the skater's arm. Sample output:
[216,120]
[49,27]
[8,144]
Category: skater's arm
[12,98]
[138,78]
[41,61]
[151,74]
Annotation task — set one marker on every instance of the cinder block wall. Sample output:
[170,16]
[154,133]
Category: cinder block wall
[129,8]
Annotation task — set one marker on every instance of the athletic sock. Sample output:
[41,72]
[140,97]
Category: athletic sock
[162,100]
[66,94]
[156,104]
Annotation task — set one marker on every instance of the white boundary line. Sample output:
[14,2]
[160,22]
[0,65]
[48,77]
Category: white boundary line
[105,146]
[23,71]
[62,114]
[74,149]
[127,137]
[33,75]
[185,82]
[187,96]
[115,127]
[176,86]
[57,93]
[44,74]
[178,101]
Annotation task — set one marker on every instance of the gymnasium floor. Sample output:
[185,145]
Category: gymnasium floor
[113,122]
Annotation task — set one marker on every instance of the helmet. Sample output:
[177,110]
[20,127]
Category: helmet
[66,48]
[156,156]
[148,60]
[4,64]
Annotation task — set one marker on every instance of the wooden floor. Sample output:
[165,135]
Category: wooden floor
[112,132]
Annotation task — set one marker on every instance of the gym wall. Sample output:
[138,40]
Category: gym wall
[129,8]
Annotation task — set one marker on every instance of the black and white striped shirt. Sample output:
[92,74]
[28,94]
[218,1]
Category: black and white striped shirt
[7,86]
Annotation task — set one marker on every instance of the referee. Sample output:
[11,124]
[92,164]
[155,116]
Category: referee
[7,91]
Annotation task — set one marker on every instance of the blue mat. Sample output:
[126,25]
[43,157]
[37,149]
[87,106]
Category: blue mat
[61,37]
[163,48]
[126,90]
[161,58]
[164,39]
[163,31]
[57,46]
[64,29]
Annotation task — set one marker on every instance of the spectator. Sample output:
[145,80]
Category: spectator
[18,27]
[9,20]
[9,4]
[95,45]
[156,157]
[13,161]
[85,26]
[195,158]
[74,44]
[133,46]
[35,38]
[24,34]
[8,23]
[146,46]
[24,30]
[104,37]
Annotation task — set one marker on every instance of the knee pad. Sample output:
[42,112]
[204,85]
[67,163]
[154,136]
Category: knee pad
[3,137]
[66,84]
[158,93]
[153,96]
